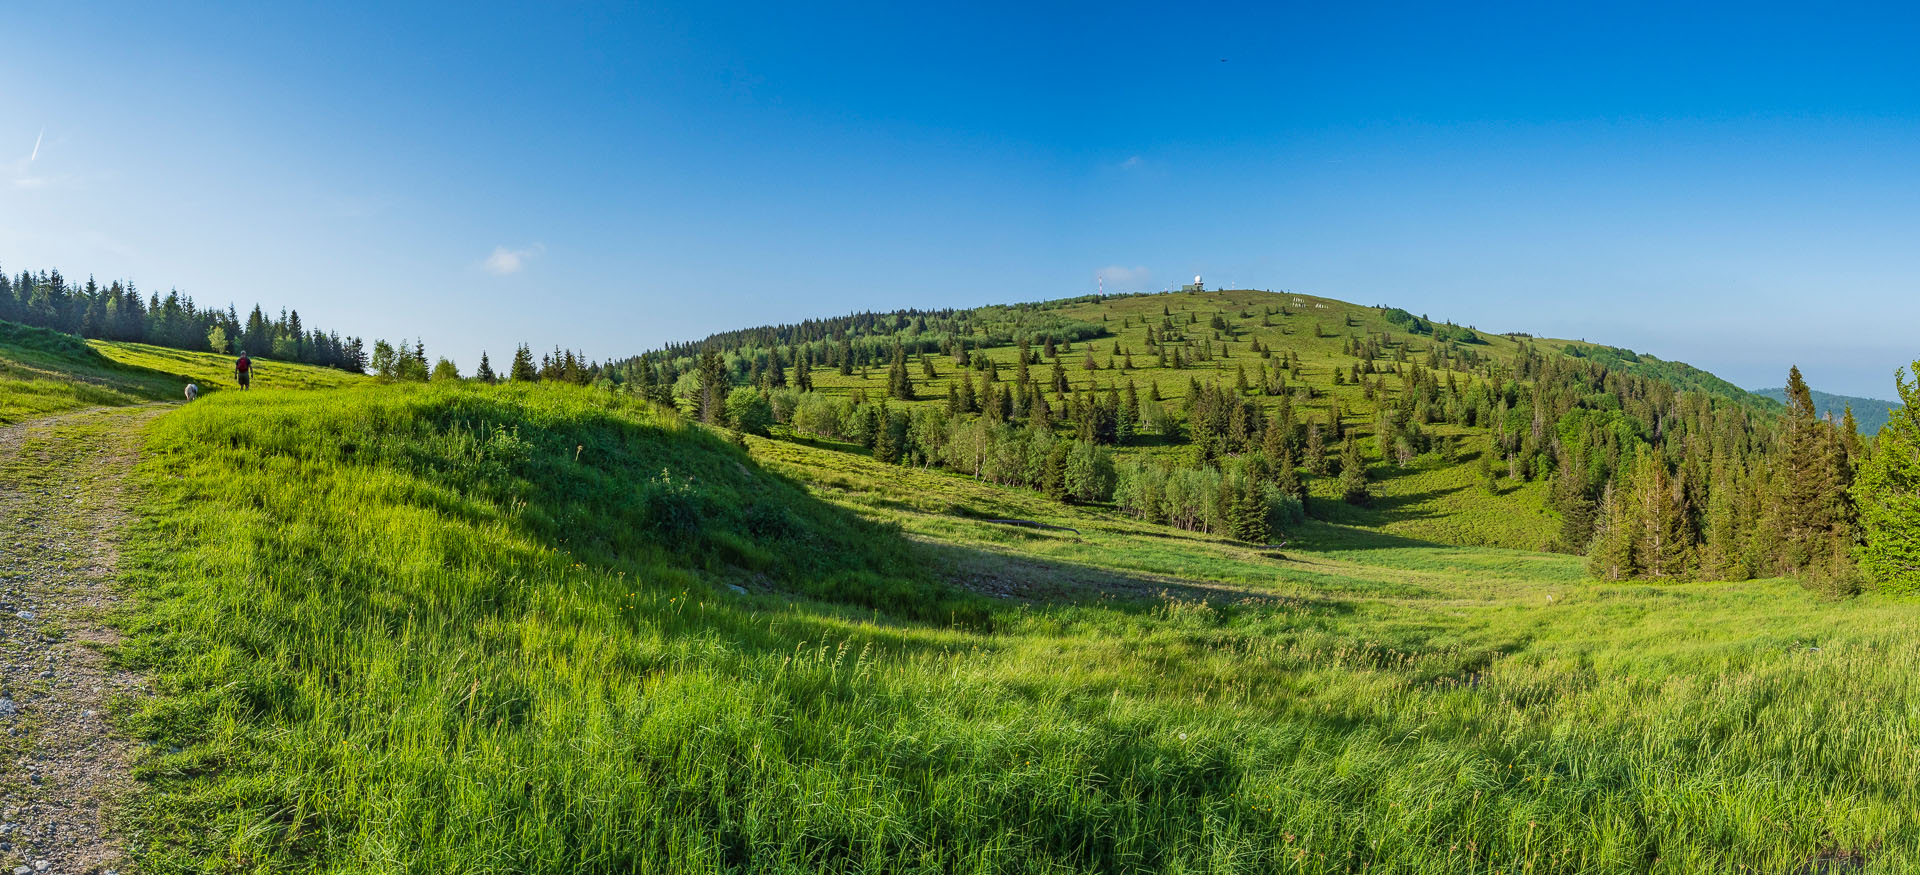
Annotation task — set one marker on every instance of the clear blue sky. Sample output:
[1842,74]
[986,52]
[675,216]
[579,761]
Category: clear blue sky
[1729,185]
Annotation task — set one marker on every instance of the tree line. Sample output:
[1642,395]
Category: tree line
[116,311]
[1800,495]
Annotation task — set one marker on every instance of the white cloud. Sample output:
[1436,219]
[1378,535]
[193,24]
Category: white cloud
[506,261]
[1132,162]
[1122,278]
[36,146]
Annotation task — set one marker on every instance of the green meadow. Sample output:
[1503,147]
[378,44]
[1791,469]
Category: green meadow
[453,628]
[45,372]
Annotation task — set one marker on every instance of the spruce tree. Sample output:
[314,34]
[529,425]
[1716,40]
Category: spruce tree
[1809,493]
[803,371]
[1353,474]
[523,370]
[1611,555]
[1247,516]
[1664,542]
[714,381]
[899,385]
[484,373]
[1574,500]
[886,444]
[1887,493]
[1316,450]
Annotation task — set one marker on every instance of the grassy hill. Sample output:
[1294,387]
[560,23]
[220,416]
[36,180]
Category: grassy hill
[1870,413]
[44,372]
[1104,344]
[551,629]
[548,628]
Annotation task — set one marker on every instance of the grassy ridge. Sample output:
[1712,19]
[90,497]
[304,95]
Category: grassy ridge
[46,372]
[213,371]
[431,629]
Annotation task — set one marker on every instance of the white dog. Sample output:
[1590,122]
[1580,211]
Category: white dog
[192,391]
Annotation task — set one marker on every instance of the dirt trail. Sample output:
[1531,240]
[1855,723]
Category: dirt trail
[63,505]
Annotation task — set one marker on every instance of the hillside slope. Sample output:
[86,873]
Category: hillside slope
[1464,462]
[44,372]
[1871,414]
[457,628]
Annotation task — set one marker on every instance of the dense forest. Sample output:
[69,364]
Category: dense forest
[116,311]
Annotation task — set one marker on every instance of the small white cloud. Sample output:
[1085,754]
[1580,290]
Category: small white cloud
[1120,277]
[506,261]
[1132,162]
[36,146]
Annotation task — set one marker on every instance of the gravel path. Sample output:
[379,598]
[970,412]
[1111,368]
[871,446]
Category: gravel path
[62,765]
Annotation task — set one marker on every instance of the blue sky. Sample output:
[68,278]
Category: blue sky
[1731,185]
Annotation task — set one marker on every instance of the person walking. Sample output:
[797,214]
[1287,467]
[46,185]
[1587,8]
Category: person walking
[243,370]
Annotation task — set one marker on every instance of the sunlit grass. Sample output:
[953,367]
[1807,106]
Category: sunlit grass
[438,629]
[44,372]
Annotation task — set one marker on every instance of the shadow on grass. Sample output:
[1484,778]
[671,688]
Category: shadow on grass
[1011,577]
[1321,534]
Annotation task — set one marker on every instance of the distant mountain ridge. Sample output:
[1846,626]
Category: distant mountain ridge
[1870,413]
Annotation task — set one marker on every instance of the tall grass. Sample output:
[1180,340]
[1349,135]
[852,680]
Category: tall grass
[454,629]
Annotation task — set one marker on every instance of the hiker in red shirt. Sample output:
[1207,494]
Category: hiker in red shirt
[243,370]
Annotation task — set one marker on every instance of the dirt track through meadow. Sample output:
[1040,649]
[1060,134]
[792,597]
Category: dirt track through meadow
[63,507]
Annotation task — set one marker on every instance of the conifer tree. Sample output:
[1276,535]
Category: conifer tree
[1664,542]
[1353,474]
[484,373]
[886,444]
[714,381]
[1611,555]
[898,383]
[1574,500]
[523,365]
[1887,493]
[1809,492]
[1247,515]
[803,371]
[1316,450]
